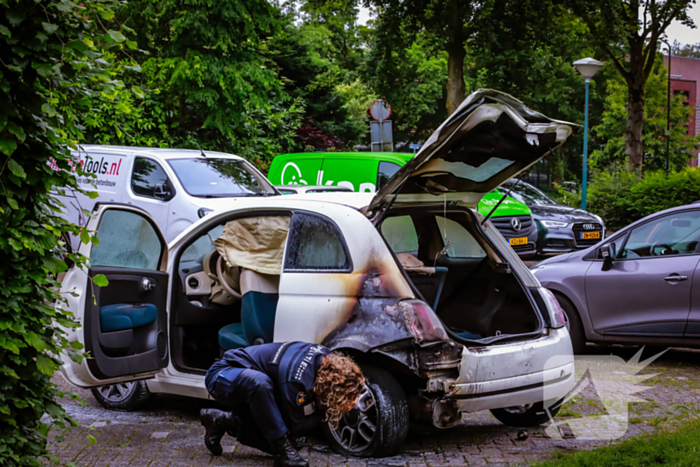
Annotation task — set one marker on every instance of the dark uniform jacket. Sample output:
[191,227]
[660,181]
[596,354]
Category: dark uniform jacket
[292,368]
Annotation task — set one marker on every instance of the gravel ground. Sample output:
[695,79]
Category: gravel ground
[168,433]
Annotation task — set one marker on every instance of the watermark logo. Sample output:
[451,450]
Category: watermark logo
[613,382]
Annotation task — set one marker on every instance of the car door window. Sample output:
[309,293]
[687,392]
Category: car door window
[400,234]
[315,243]
[462,244]
[126,240]
[385,172]
[203,245]
[675,234]
[146,176]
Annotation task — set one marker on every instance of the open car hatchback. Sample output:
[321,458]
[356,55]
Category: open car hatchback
[430,300]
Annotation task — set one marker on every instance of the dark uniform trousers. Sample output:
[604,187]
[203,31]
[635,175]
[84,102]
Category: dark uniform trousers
[269,388]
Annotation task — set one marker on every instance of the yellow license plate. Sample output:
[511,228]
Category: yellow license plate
[589,235]
[518,241]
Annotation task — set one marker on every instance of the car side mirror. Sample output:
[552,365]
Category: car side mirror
[608,254]
[162,191]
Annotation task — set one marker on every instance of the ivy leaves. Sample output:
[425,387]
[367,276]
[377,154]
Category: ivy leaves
[57,66]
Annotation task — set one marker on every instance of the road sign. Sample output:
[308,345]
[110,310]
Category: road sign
[380,110]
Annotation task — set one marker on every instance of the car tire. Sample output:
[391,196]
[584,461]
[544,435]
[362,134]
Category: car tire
[381,429]
[126,397]
[573,324]
[524,416]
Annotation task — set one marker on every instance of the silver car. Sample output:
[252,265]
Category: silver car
[640,286]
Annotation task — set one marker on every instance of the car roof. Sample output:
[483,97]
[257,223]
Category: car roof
[351,199]
[404,156]
[314,187]
[159,153]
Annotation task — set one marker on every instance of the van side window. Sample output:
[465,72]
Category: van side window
[146,176]
[385,172]
[315,243]
[127,240]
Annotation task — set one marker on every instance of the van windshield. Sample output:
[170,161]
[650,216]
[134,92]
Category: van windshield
[220,178]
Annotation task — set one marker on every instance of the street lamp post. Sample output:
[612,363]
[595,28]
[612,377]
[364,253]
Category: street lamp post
[588,67]
[668,106]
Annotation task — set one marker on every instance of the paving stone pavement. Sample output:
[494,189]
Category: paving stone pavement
[168,433]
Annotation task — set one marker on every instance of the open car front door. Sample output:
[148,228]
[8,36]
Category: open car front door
[124,324]
[490,138]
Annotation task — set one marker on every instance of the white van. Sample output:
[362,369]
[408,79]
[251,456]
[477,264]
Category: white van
[175,186]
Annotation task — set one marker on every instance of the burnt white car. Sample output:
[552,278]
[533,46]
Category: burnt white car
[440,312]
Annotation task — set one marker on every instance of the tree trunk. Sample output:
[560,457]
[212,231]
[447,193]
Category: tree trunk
[634,150]
[456,89]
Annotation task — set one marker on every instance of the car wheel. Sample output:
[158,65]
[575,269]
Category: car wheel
[378,426]
[573,324]
[523,416]
[123,396]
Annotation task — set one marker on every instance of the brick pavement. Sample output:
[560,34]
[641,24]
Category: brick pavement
[168,433]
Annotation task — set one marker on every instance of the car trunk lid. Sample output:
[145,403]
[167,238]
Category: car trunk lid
[490,138]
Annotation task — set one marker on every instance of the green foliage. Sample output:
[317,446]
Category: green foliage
[412,79]
[202,74]
[622,197]
[53,73]
[612,127]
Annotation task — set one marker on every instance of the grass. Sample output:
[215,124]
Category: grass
[677,448]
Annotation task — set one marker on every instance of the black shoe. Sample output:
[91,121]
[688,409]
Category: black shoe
[216,422]
[285,455]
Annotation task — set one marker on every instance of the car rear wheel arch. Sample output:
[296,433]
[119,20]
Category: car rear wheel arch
[575,324]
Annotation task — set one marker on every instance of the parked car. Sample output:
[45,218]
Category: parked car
[442,315]
[175,186]
[560,228]
[640,286]
[370,171]
[302,189]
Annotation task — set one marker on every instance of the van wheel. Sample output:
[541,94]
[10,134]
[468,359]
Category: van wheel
[523,416]
[379,425]
[127,396]
[573,324]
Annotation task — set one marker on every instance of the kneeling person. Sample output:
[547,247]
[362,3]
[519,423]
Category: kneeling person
[275,390]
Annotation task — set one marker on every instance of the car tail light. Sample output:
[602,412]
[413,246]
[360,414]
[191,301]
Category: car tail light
[556,314]
[422,321]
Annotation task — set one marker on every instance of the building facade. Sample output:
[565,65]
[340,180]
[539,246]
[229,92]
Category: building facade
[685,79]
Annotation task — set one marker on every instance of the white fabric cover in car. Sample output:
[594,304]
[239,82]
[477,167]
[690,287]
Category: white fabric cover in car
[255,243]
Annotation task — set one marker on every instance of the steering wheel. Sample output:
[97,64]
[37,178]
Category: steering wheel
[667,249]
[227,276]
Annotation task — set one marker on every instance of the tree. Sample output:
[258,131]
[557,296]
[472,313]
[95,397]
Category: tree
[687,50]
[629,32]
[611,130]
[208,78]
[316,55]
[413,80]
[52,76]
[449,22]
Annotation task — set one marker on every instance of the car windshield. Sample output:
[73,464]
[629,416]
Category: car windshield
[528,194]
[219,178]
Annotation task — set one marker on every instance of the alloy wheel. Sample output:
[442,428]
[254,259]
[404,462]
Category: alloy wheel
[117,392]
[357,429]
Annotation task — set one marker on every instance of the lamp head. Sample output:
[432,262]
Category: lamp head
[588,67]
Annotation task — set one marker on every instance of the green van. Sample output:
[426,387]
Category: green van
[369,171]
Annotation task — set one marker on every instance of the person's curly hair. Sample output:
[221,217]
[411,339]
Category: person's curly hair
[338,382]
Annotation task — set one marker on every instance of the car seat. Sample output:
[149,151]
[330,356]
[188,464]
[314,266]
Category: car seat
[260,294]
